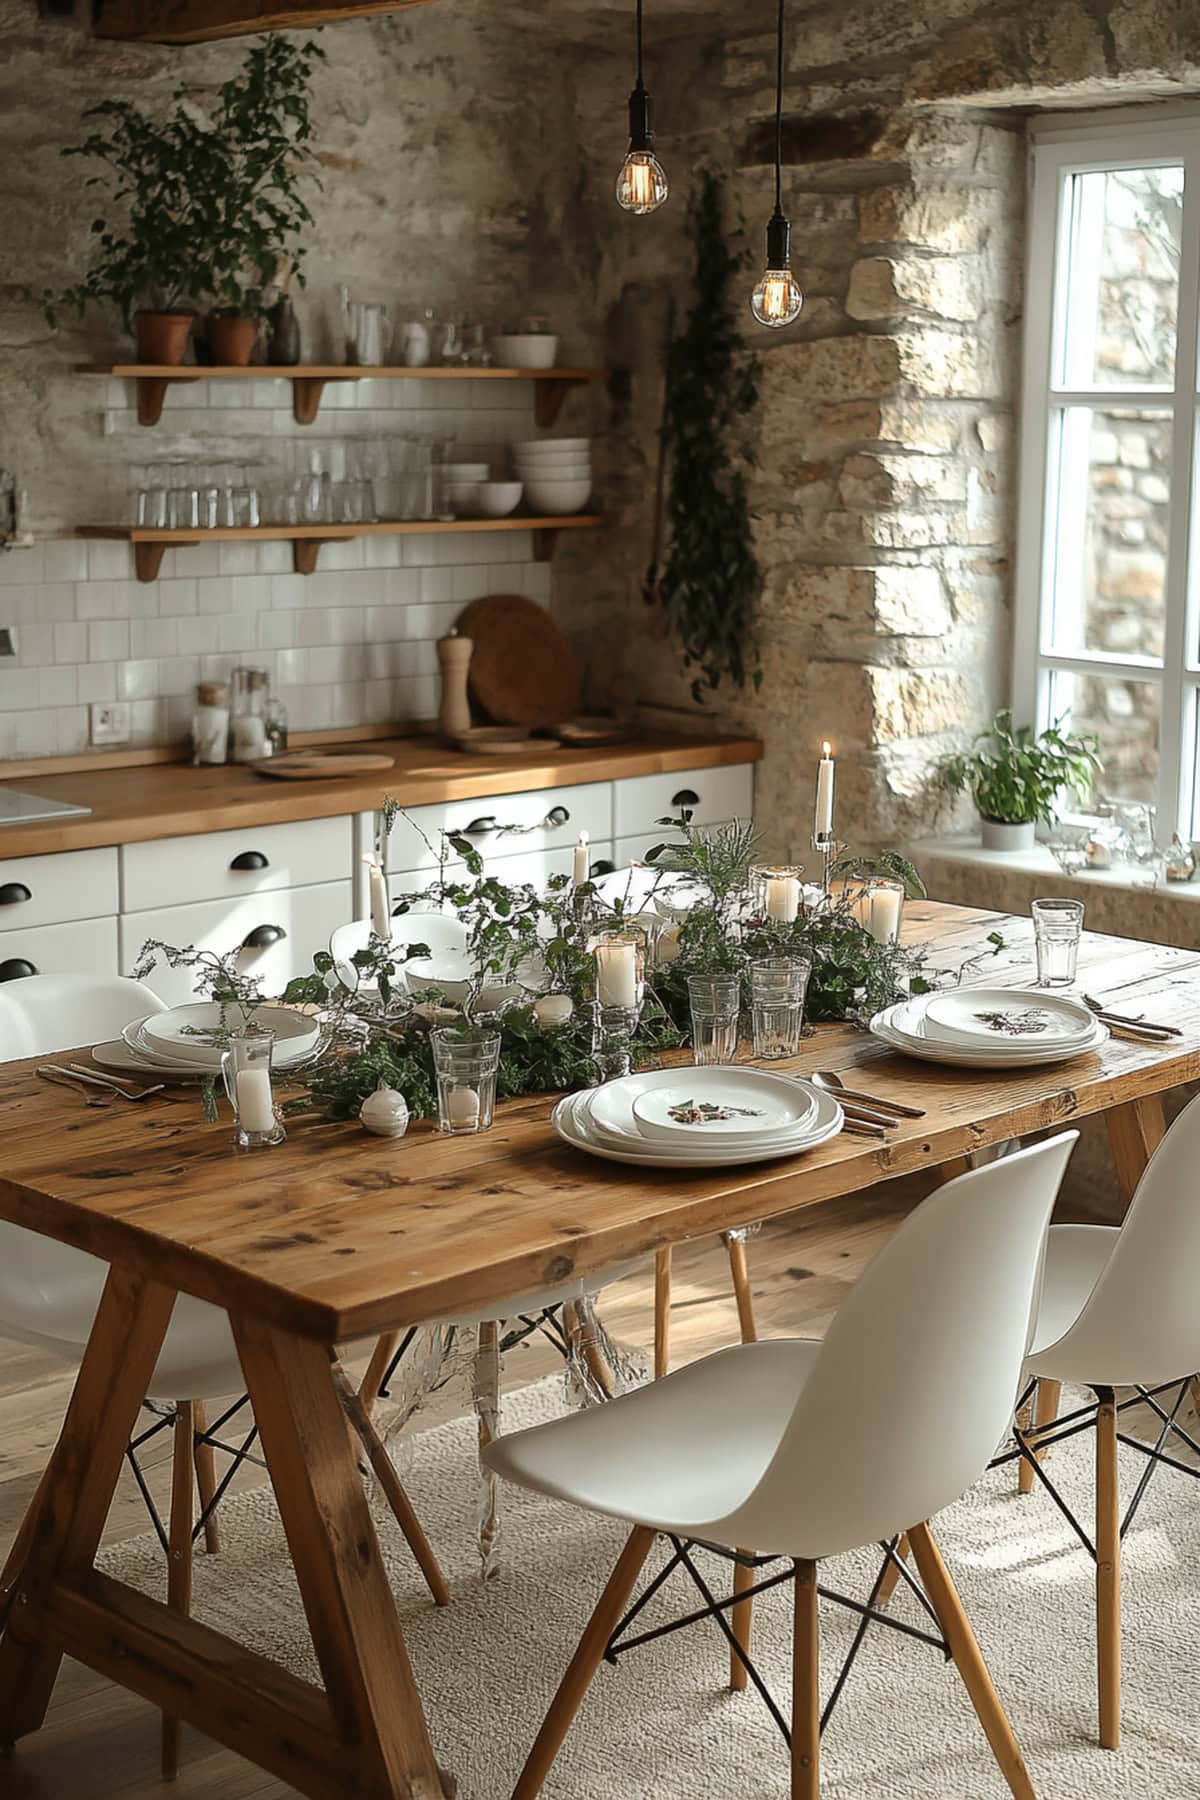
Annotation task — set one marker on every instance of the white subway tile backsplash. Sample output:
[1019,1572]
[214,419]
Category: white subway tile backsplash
[137,680]
[65,560]
[153,637]
[35,645]
[108,641]
[21,567]
[96,681]
[176,599]
[198,636]
[70,643]
[108,561]
[51,601]
[239,557]
[56,687]
[72,730]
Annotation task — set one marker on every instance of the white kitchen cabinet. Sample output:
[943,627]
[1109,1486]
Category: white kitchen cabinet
[546,819]
[229,865]
[278,933]
[49,890]
[708,795]
[81,946]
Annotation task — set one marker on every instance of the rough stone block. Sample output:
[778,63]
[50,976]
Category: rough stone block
[883,287]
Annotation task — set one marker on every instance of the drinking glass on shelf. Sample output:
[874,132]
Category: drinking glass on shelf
[715,1002]
[183,499]
[246,1072]
[778,985]
[1057,929]
[465,1060]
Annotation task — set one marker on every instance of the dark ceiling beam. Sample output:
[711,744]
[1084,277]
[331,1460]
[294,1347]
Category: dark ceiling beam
[202,21]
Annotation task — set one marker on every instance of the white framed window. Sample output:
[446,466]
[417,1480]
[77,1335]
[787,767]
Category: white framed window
[1107,630]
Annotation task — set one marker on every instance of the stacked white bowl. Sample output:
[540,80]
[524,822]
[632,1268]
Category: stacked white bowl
[461,483]
[557,473]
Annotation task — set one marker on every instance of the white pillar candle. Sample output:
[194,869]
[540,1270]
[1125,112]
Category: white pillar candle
[782,897]
[256,1108]
[883,911]
[579,870]
[616,974]
[381,908]
[823,822]
[462,1106]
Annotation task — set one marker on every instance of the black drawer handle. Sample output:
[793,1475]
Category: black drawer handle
[16,969]
[481,827]
[263,936]
[685,797]
[558,815]
[602,867]
[250,859]
[13,893]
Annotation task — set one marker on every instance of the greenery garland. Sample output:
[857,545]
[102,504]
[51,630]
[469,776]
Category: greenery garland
[710,579]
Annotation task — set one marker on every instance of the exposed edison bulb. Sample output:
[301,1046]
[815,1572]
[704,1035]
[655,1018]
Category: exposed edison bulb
[642,184]
[777,299]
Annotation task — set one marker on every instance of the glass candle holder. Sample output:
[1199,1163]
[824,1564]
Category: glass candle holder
[715,1002]
[246,1072]
[1057,929]
[778,985]
[613,1029]
[620,969]
[879,908]
[776,891]
[465,1062]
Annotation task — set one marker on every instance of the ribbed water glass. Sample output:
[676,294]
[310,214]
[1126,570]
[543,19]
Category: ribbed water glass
[715,1002]
[466,1061]
[778,985]
[1057,929]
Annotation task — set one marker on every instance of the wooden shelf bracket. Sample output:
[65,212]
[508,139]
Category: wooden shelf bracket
[306,397]
[307,551]
[147,558]
[548,397]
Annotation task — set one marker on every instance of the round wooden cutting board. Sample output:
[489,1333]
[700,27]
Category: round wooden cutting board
[322,765]
[522,671]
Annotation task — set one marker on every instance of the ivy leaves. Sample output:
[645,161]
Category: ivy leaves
[709,581]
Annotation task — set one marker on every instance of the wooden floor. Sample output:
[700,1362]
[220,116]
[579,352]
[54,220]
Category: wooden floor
[100,1743]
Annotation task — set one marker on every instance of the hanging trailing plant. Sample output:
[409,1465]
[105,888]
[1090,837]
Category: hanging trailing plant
[708,581]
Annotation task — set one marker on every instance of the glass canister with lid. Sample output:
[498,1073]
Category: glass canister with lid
[248,722]
[210,723]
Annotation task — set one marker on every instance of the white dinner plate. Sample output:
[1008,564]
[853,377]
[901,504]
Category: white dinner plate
[181,1031]
[757,1103]
[908,1019]
[958,1056]
[611,1106]
[1009,1016]
[570,1120]
[118,1055]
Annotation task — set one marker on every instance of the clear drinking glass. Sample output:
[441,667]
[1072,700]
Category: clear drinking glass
[466,1060]
[776,891]
[1057,929]
[613,1030]
[778,985]
[879,908]
[620,969]
[246,1072]
[715,1002]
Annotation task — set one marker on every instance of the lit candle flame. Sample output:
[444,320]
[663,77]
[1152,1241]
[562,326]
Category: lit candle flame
[826,749]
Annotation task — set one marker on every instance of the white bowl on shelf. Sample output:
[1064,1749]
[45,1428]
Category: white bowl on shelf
[496,499]
[463,496]
[476,471]
[551,497]
[579,470]
[548,446]
[525,350]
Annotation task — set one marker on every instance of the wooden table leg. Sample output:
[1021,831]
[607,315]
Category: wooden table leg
[77,1488]
[662,1312]
[351,1614]
[10,1575]
[1135,1130]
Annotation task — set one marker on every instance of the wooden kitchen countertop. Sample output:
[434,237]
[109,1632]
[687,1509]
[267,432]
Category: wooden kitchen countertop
[160,800]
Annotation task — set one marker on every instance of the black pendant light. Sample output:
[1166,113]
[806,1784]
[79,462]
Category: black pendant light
[777,298]
[642,183]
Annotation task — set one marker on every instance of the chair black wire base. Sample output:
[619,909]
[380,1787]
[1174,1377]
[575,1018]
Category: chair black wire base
[164,1420]
[1031,1443]
[620,1644]
[547,1321]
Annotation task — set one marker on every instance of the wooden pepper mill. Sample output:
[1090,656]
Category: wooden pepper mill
[454,709]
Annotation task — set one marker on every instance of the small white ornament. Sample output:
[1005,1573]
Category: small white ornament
[553,1010]
[385,1112]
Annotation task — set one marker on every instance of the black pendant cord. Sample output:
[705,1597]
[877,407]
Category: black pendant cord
[778,106]
[640,82]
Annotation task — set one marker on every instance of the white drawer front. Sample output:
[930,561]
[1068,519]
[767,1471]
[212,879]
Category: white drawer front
[588,808]
[707,794]
[85,947]
[534,867]
[636,849]
[218,865]
[307,916]
[46,890]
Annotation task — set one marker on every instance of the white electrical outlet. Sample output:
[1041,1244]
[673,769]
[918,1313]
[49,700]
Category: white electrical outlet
[109,721]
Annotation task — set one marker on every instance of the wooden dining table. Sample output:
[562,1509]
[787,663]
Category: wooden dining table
[335,1237]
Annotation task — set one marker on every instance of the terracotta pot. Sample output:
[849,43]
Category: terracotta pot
[231,340]
[161,337]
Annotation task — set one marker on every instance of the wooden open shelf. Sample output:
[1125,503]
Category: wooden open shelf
[550,386]
[149,545]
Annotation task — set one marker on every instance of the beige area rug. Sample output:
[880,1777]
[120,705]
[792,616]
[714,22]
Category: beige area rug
[663,1725]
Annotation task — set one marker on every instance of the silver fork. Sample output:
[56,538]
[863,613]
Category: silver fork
[107,1081]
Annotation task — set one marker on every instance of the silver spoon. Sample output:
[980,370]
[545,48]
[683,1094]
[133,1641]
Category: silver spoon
[833,1084]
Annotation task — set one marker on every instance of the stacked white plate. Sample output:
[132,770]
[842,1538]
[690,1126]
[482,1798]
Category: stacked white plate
[990,1028]
[698,1118]
[179,1044]
[557,473]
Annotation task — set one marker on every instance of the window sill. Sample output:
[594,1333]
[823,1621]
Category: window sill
[968,853]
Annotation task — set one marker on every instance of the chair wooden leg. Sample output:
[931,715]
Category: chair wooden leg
[1108,1571]
[363,1426]
[1045,1411]
[943,1597]
[377,1368]
[206,1477]
[806,1696]
[583,1665]
[662,1312]
[179,1555]
[735,1244]
[740,1619]
[891,1575]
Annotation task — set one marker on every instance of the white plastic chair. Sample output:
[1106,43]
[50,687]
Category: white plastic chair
[49,1293]
[1119,1309]
[806,1448]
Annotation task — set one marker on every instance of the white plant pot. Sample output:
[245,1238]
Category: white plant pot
[1007,837]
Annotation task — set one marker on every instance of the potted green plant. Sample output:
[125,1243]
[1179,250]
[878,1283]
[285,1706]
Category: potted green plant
[253,213]
[1015,777]
[149,265]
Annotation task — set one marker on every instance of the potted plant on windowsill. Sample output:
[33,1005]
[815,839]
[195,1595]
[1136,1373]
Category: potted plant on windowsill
[1015,777]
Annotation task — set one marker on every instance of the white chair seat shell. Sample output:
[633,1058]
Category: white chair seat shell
[1076,1256]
